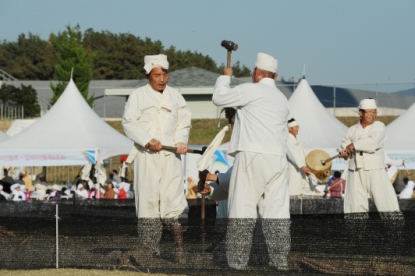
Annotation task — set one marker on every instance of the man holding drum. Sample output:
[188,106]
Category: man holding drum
[363,146]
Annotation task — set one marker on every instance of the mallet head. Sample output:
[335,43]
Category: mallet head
[229,45]
[323,162]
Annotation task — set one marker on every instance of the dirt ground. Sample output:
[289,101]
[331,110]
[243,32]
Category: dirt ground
[74,272]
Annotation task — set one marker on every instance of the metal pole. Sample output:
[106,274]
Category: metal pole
[334,99]
[57,237]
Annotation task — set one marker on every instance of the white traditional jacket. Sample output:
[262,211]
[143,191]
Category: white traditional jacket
[295,153]
[368,143]
[149,114]
[261,115]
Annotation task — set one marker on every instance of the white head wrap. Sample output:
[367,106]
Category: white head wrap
[56,187]
[293,124]
[367,104]
[266,62]
[79,186]
[154,61]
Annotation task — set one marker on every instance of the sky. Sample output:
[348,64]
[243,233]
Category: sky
[340,42]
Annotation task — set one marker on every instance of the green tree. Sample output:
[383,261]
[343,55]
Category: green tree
[72,55]
[25,96]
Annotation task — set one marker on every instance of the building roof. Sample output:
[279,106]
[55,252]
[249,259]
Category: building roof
[188,77]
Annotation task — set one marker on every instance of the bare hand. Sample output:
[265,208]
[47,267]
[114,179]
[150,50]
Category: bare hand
[154,145]
[305,170]
[350,148]
[206,190]
[228,71]
[181,148]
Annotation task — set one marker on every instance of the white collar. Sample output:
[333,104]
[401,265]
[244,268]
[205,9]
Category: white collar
[268,81]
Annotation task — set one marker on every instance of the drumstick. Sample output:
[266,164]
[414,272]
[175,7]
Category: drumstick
[407,172]
[323,162]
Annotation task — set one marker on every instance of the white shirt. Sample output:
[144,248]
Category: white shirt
[261,115]
[295,153]
[368,143]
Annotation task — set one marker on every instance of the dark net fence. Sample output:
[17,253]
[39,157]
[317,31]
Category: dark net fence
[103,234]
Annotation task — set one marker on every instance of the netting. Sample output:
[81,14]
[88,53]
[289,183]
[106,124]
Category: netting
[103,234]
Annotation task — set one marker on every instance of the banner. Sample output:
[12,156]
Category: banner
[47,157]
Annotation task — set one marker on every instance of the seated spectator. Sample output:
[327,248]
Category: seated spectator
[408,190]
[81,192]
[40,191]
[55,194]
[337,186]
[17,194]
[27,181]
[20,180]
[115,176]
[7,179]
[109,187]
[3,195]
[192,188]
[122,193]
[25,191]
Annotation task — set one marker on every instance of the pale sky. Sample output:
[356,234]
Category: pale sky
[339,41]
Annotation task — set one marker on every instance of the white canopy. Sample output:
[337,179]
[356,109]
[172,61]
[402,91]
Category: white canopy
[19,125]
[71,133]
[3,136]
[400,142]
[319,129]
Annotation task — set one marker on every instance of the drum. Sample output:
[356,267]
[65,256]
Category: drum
[313,161]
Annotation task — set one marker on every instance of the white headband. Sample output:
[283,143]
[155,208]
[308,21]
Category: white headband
[154,61]
[293,124]
[266,62]
[367,104]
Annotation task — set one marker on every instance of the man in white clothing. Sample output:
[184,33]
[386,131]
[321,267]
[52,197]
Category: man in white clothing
[297,168]
[409,188]
[156,115]
[260,167]
[363,146]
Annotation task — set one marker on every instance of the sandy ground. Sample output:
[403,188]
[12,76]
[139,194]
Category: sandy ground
[74,272]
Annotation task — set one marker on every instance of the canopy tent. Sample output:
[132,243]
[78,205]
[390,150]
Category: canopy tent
[19,125]
[400,142]
[319,129]
[3,136]
[71,133]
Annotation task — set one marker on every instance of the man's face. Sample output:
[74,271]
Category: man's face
[158,78]
[294,130]
[368,116]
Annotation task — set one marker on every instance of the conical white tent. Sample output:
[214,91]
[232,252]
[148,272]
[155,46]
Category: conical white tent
[319,129]
[3,136]
[400,142]
[71,133]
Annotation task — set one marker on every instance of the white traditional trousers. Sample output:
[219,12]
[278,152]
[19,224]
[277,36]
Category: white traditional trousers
[159,194]
[373,183]
[158,185]
[259,185]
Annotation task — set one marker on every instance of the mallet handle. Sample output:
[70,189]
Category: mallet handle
[229,59]
[174,149]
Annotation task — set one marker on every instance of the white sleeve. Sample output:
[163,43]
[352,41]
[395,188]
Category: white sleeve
[132,128]
[294,154]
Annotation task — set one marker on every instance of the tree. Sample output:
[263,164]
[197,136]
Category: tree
[25,96]
[72,55]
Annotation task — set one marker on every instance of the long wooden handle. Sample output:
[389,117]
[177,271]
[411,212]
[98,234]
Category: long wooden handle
[229,59]
[174,149]
[329,159]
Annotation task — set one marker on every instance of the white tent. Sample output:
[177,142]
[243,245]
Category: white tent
[400,142]
[19,125]
[3,136]
[71,133]
[319,129]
